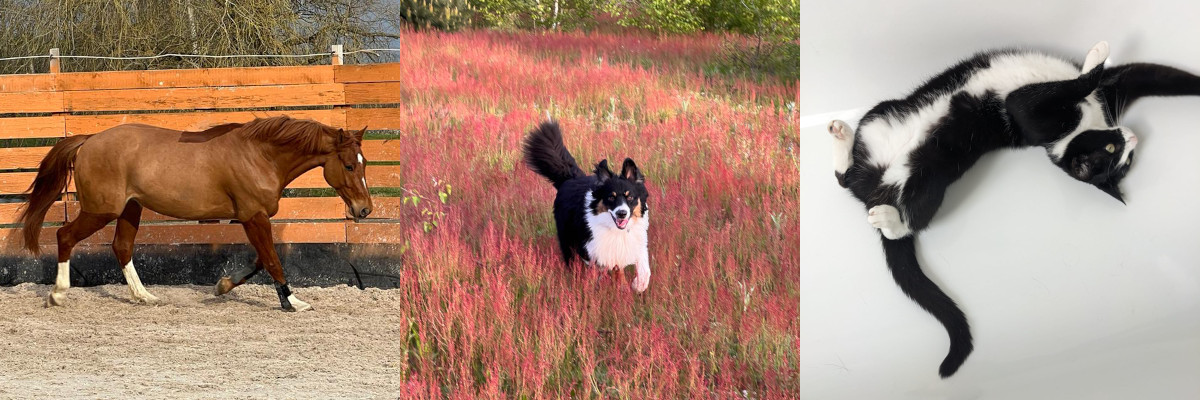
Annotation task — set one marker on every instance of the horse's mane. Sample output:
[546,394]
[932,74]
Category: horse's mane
[301,134]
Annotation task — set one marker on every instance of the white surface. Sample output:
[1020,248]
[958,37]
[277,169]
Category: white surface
[1070,294]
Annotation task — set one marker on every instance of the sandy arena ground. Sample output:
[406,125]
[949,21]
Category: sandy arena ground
[194,345]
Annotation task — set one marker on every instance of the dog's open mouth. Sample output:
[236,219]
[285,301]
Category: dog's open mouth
[621,222]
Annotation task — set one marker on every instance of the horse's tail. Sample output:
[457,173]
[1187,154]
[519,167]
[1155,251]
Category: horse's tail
[902,260]
[48,186]
[546,155]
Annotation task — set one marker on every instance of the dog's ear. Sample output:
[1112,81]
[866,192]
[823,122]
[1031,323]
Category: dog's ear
[603,172]
[631,172]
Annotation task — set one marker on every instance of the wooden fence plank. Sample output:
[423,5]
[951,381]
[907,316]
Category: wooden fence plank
[31,102]
[297,232]
[377,118]
[22,157]
[386,72]
[382,232]
[290,208]
[186,78]
[191,121]
[8,212]
[377,176]
[375,93]
[32,127]
[382,150]
[27,83]
[15,182]
[205,97]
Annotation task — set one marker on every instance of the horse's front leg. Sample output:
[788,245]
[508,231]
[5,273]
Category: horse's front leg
[258,230]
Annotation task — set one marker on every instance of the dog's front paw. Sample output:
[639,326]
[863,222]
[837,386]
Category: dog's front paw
[641,282]
[887,219]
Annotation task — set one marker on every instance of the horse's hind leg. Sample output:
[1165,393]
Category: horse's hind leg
[258,230]
[227,283]
[843,148]
[127,227]
[68,236]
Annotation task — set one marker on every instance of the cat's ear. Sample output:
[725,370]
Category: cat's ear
[1111,188]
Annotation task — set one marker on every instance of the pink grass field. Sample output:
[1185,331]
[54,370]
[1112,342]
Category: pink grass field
[491,311]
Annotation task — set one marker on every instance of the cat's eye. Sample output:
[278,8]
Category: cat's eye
[1111,147]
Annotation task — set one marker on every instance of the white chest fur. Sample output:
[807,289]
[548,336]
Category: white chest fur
[611,247]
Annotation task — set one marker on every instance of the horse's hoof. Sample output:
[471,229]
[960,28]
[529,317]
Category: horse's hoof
[295,305]
[56,299]
[146,299]
[224,285]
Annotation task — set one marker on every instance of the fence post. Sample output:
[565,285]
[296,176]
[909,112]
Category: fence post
[54,61]
[337,54]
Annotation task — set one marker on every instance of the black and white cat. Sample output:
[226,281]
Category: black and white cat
[906,152]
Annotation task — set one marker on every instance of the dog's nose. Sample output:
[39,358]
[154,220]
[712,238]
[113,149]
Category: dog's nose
[363,213]
[622,213]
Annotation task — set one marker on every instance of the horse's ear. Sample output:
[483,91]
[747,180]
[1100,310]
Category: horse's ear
[341,137]
[359,135]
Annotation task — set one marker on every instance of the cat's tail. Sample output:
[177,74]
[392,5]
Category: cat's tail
[546,155]
[1123,84]
[902,260]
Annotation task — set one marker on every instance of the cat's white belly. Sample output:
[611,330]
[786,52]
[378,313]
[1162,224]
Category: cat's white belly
[889,140]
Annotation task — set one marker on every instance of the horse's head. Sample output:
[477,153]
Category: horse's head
[346,173]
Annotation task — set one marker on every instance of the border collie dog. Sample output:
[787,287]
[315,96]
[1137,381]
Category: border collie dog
[907,151]
[603,217]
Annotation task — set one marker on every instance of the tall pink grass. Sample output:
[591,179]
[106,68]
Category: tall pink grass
[492,312]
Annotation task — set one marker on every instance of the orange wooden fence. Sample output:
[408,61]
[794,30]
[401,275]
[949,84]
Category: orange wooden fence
[57,105]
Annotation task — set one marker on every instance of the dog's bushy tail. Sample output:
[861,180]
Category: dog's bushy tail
[546,155]
[902,260]
[47,187]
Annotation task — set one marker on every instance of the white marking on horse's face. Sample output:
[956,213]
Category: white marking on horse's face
[364,181]
[360,159]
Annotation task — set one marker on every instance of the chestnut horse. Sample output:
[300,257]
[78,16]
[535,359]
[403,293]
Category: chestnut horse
[231,171]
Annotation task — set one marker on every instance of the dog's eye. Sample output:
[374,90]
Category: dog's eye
[630,198]
[1111,148]
[350,168]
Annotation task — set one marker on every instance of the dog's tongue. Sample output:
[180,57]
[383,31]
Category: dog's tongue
[622,222]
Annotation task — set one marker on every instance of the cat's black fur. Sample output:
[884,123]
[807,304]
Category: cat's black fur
[1042,112]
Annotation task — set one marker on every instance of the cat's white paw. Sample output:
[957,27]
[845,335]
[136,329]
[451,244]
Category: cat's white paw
[840,130]
[1095,56]
[843,145]
[887,219]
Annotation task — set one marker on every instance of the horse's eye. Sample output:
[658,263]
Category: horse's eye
[1111,148]
[350,168]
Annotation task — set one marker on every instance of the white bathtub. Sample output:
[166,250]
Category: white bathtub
[1070,294]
